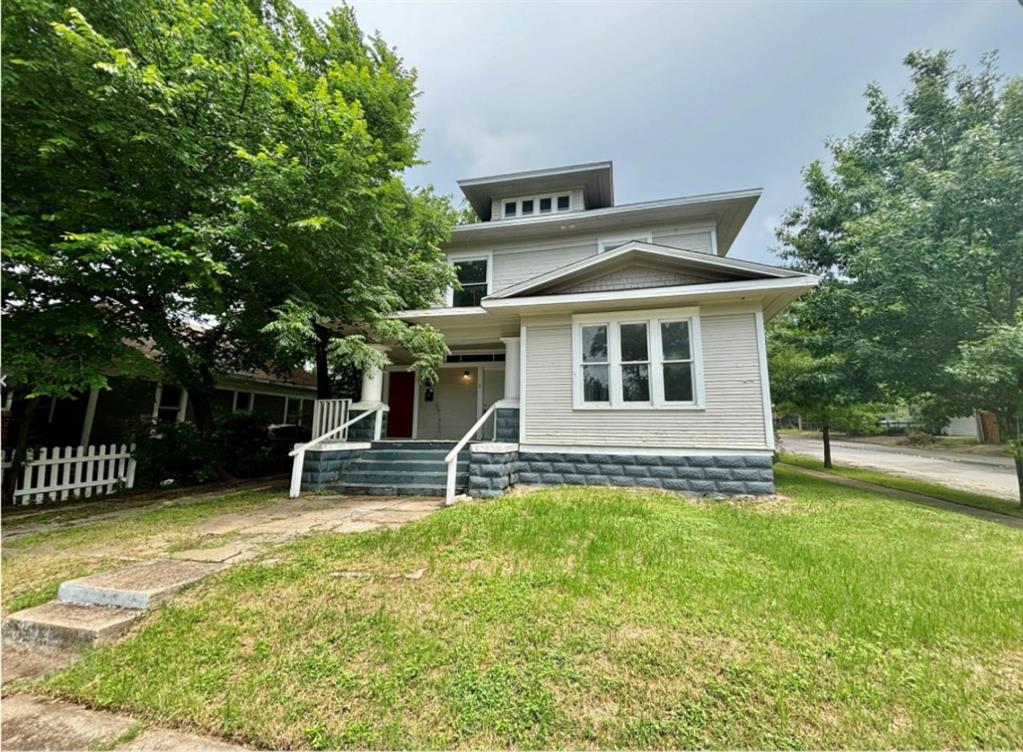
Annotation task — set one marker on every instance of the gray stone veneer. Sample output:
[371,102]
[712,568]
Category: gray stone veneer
[363,430]
[507,424]
[324,466]
[492,473]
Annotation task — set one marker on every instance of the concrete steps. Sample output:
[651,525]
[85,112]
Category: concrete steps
[97,609]
[63,626]
[403,468]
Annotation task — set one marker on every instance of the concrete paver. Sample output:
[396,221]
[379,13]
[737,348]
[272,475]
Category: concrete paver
[63,626]
[139,586]
[32,723]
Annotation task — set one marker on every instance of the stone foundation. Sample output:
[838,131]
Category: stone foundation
[507,424]
[494,468]
[328,465]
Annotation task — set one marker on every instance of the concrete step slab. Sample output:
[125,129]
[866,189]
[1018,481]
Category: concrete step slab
[140,586]
[389,489]
[32,723]
[65,626]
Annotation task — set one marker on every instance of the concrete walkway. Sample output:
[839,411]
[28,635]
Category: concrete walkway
[994,476]
[43,639]
[931,501]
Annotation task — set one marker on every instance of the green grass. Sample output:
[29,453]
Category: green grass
[600,618]
[967,498]
[34,565]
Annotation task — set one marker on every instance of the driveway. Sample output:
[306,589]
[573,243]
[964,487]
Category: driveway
[995,476]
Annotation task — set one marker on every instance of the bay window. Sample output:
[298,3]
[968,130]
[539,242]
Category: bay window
[636,360]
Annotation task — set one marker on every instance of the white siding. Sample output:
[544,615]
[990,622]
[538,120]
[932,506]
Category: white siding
[518,262]
[636,277]
[453,409]
[732,419]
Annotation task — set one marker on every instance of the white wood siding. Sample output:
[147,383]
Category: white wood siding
[732,419]
[453,409]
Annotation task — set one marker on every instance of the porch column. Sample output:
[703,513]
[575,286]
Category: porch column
[511,368]
[373,381]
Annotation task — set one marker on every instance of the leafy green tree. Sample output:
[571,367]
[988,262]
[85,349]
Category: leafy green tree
[812,372]
[183,174]
[918,218]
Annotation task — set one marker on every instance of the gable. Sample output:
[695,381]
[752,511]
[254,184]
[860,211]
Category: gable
[639,265]
[636,276]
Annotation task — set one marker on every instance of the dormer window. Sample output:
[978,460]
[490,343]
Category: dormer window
[533,205]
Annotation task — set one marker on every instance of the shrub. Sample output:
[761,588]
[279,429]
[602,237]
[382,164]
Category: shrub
[245,448]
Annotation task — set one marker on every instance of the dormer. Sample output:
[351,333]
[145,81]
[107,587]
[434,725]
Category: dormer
[541,193]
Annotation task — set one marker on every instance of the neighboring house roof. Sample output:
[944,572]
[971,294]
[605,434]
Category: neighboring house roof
[595,178]
[727,210]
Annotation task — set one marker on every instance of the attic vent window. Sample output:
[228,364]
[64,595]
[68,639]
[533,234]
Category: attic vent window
[533,205]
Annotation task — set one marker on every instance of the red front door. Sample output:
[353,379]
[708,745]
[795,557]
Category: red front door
[403,391]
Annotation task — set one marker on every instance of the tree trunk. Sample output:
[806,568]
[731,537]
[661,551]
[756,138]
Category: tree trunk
[826,435]
[22,411]
[1019,474]
[323,390]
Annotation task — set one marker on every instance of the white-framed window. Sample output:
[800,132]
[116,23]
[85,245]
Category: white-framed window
[475,275]
[637,360]
[536,206]
[610,243]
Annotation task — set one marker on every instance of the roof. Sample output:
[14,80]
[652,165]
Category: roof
[728,211]
[595,178]
[638,251]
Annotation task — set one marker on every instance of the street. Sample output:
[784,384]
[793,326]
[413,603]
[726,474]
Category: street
[995,476]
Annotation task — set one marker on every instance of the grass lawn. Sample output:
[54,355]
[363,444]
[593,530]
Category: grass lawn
[603,618]
[968,498]
[35,564]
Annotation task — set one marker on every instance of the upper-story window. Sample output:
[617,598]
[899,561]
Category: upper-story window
[530,206]
[474,277]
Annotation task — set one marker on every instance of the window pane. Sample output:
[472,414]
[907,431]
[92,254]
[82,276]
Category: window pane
[170,396]
[562,203]
[469,295]
[472,272]
[509,209]
[594,343]
[678,382]
[636,383]
[545,205]
[527,207]
[675,340]
[633,342]
[595,384]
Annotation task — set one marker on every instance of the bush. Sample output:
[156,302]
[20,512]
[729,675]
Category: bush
[245,448]
[175,452]
[240,446]
[919,438]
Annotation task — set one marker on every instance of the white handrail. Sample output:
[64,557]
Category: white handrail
[299,452]
[452,457]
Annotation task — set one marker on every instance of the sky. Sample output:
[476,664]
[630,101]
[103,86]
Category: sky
[684,97]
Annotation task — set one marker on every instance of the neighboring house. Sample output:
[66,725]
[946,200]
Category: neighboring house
[111,416]
[617,344]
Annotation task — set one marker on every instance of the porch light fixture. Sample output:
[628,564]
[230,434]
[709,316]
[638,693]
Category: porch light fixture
[466,376]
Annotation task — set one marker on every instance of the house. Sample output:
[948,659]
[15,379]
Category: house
[112,415]
[590,343]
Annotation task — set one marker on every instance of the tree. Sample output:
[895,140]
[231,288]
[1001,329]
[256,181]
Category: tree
[812,372]
[918,217]
[178,174]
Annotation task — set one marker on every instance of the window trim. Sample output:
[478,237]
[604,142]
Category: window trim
[653,319]
[455,258]
[642,236]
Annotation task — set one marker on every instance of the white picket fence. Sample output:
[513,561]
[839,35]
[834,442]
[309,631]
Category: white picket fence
[73,472]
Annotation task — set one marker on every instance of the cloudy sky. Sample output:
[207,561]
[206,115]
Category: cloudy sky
[684,97]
